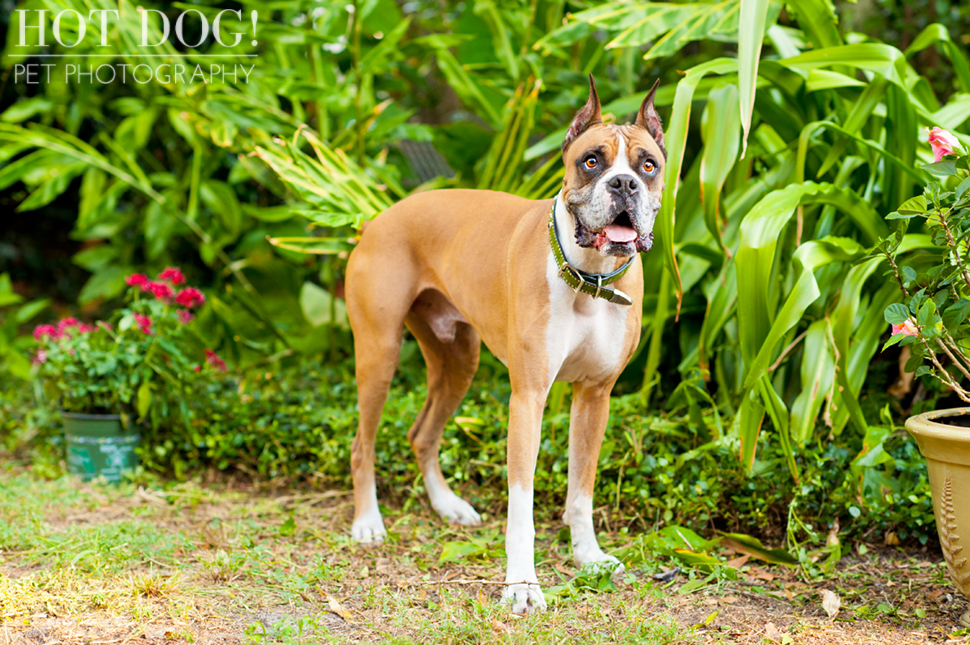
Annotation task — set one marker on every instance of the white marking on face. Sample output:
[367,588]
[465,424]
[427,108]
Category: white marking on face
[596,204]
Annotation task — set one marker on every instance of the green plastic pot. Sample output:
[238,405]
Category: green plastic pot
[944,439]
[98,446]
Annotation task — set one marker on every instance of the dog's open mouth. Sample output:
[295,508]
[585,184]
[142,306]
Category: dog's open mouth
[621,230]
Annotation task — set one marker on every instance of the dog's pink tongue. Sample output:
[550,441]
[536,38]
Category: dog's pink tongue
[620,234]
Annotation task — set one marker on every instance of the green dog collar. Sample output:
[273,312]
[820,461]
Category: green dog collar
[593,284]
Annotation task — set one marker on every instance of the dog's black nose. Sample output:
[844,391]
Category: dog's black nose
[623,184]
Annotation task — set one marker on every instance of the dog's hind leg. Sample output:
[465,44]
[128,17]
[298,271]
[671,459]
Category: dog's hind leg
[377,319]
[451,355]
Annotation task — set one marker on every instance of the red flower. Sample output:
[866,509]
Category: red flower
[190,297]
[213,359]
[144,323]
[160,290]
[173,275]
[66,323]
[185,316]
[942,143]
[136,280]
[197,368]
[43,331]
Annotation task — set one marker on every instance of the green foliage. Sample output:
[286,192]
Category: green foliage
[935,285]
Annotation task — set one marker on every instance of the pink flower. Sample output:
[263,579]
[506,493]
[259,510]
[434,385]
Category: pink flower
[213,359]
[160,290]
[136,280]
[190,297]
[66,323]
[86,329]
[41,357]
[197,368]
[104,325]
[942,143]
[44,331]
[144,323]
[907,328]
[173,275]
[185,316]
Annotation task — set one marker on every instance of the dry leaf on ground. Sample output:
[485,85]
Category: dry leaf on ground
[831,602]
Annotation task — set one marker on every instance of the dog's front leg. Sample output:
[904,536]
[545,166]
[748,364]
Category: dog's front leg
[587,424]
[525,422]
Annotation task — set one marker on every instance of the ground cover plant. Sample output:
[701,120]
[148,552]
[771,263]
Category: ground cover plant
[223,562]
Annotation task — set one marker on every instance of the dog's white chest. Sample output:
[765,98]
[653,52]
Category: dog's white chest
[586,336]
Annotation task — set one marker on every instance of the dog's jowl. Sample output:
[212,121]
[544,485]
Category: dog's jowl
[553,288]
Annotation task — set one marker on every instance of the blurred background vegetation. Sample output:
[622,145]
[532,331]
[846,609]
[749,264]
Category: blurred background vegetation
[758,398]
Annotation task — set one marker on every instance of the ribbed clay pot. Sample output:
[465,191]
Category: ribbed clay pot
[944,439]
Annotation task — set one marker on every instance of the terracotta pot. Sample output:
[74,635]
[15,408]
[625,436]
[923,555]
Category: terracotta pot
[944,439]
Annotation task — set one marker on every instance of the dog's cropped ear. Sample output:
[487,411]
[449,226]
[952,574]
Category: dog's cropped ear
[649,119]
[586,118]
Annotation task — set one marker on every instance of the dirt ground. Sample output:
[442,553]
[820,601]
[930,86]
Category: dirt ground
[92,564]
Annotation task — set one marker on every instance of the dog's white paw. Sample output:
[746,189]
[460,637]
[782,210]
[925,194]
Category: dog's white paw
[369,529]
[607,563]
[525,598]
[455,510]
[593,559]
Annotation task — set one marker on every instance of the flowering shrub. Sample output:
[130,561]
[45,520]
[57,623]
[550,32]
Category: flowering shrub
[932,319]
[141,362]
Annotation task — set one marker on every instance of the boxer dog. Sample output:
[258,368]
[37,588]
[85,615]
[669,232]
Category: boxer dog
[553,287]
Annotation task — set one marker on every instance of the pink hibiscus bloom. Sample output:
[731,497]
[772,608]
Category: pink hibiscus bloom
[907,328]
[942,143]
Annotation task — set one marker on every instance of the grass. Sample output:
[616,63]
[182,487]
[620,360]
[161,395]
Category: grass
[88,562]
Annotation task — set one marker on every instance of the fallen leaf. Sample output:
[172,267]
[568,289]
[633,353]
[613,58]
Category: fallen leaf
[729,600]
[667,576]
[500,627]
[788,593]
[831,602]
[833,537]
[739,562]
[891,539]
[337,608]
[935,595]
[772,632]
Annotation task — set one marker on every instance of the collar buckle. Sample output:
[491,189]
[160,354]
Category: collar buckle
[574,273]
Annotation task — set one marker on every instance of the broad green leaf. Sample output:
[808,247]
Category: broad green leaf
[751,32]
[719,130]
[676,143]
[752,546]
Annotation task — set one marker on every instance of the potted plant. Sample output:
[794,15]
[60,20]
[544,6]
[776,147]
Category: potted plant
[932,321]
[109,378]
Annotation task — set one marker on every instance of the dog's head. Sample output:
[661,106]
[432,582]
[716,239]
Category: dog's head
[614,177]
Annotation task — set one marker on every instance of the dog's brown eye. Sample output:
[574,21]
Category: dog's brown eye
[648,166]
[590,162]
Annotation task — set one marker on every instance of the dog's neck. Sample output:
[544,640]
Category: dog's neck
[586,259]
